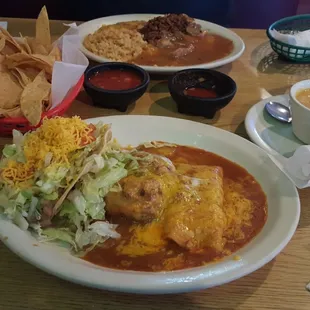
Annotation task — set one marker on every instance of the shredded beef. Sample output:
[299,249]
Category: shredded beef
[162,30]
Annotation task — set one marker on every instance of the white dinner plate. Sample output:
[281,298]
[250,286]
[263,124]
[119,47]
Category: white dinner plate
[93,25]
[273,136]
[283,215]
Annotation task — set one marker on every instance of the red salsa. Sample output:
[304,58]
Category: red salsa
[200,92]
[115,79]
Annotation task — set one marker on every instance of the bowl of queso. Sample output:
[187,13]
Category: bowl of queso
[115,85]
[201,92]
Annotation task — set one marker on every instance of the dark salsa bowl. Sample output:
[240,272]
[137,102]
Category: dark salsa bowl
[115,85]
[201,92]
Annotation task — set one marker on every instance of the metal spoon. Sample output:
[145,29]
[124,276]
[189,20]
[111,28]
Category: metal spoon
[279,111]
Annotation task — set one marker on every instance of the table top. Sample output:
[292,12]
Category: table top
[278,285]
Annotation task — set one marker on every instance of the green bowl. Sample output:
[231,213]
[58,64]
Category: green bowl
[291,25]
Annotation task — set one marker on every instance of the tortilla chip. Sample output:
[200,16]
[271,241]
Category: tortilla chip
[29,71]
[36,47]
[26,68]
[24,44]
[10,91]
[55,52]
[3,68]
[31,106]
[47,104]
[106,137]
[8,48]
[49,59]
[65,194]
[32,97]
[14,112]
[43,34]
[21,76]
[48,101]
[14,60]
[40,79]
[18,78]
[40,62]
[11,40]
[2,43]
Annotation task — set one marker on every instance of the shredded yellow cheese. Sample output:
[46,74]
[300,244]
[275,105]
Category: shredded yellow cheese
[146,239]
[58,136]
[238,210]
[173,263]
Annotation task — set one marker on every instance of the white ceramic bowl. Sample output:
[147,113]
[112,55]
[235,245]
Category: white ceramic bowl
[93,25]
[300,113]
[283,216]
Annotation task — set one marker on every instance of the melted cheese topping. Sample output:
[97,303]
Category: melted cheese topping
[200,213]
[146,239]
[238,209]
[174,262]
[58,137]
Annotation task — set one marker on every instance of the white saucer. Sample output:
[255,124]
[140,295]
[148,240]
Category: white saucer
[273,136]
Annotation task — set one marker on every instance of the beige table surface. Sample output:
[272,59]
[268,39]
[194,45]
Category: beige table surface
[278,285]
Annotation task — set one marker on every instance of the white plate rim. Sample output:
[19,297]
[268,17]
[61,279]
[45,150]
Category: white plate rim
[239,45]
[155,283]
[251,118]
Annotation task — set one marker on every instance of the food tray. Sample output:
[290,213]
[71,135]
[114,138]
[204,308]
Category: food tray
[290,25]
[21,123]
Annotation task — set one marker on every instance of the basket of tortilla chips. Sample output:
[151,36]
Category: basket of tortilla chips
[35,82]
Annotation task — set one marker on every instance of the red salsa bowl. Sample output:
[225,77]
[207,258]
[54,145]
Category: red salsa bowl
[115,85]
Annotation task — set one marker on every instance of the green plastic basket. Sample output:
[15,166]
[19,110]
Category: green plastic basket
[291,25]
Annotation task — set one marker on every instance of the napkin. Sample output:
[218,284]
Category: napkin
[297,167]
[69,71]
[301,38]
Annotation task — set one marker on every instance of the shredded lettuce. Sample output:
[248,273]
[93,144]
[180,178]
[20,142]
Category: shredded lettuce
[18,138]
[20,221]
[78,201]
[33,214]
[93,171]
[95,233]
[9,150]
[67,209]
[96,210]
[60,234]
[52,196]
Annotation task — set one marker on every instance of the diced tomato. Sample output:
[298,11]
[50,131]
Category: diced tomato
[92,127]
[85,141]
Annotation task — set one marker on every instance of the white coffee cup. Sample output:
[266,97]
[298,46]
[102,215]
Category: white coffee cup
[300,113]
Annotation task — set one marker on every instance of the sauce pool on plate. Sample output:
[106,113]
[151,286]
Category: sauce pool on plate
[116,79]
[200,92]
[239,189]
[188,51]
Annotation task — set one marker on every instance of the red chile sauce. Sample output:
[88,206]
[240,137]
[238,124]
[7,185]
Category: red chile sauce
[115,79]
[107,256]
[207,48]
[200,92]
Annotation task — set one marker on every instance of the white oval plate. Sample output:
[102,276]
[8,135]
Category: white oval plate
[273,136]
[93,25]
[283,215]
